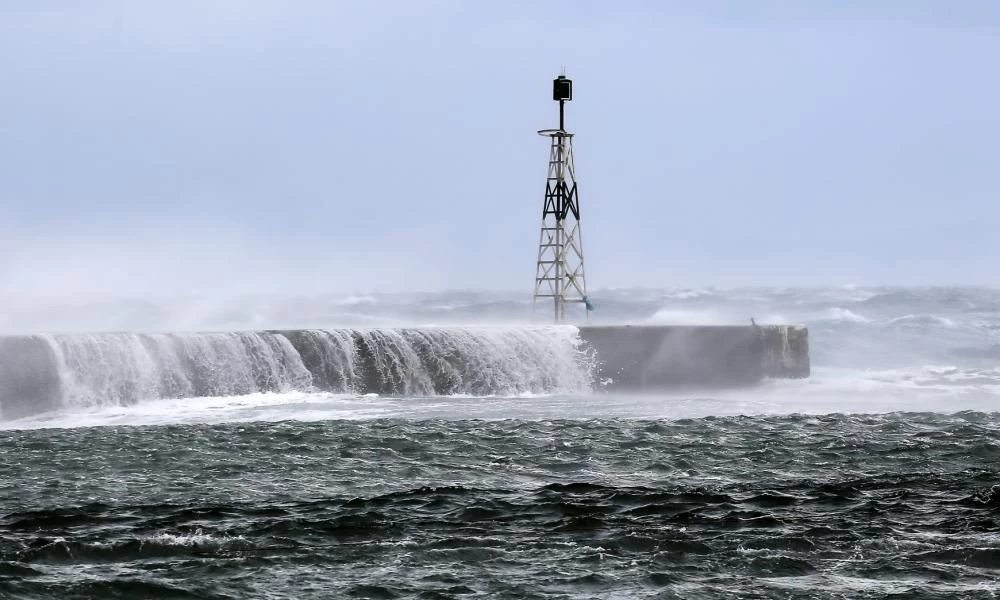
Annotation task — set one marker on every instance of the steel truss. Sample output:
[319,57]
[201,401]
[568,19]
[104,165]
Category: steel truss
[559,272]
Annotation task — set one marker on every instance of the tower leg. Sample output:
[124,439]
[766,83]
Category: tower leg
[559,272]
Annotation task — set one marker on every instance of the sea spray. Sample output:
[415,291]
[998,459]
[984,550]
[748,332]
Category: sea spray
[115,369]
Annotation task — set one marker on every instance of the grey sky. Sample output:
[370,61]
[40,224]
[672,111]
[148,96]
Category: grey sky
[167,147]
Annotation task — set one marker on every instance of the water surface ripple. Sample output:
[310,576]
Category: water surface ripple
[900,505]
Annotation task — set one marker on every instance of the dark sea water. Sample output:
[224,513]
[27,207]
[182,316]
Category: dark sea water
[878,477]
[902,505]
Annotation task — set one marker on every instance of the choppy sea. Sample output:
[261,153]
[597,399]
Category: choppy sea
[877,477]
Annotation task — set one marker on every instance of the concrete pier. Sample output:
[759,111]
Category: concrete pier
[645,357]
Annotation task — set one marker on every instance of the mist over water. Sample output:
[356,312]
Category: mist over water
[872,350]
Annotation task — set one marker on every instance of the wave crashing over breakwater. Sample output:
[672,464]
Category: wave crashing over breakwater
[46,372]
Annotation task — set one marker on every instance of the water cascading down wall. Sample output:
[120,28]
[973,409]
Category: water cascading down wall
[40,373]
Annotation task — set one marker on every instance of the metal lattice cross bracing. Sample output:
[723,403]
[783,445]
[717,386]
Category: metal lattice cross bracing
[559,272]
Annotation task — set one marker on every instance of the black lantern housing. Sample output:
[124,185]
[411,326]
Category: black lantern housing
[562,88]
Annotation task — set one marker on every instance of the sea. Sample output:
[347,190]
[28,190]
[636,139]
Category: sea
[176,449]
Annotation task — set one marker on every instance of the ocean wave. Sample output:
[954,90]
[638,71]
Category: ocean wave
[708,316]
[922,321]
[844,315]
[675,316]
[121,369]
[161,545]
[688,294]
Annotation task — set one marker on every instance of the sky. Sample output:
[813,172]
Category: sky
[206,147]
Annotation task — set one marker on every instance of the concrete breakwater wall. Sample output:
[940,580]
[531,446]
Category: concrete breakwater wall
[643,357]
[47,372]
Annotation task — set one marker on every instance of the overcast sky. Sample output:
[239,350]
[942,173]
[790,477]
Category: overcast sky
[167,147]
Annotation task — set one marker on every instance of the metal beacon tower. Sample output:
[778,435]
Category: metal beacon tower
[559,271]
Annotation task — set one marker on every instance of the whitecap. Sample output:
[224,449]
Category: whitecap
[844,315]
